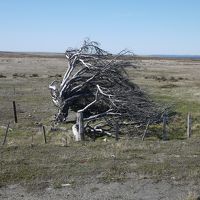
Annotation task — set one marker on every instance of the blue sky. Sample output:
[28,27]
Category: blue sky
[142,26]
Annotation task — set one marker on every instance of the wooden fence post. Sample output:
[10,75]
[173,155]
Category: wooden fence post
[146,129]
[15,111]
[80,125]
[164,126]
[44,132]
[189,125]
[6,133]
[93,136]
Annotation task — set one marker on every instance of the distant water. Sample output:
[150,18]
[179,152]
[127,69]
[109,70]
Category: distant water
[177,56]
[52,54]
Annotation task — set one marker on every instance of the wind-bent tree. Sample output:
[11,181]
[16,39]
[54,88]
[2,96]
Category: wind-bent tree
[96,85]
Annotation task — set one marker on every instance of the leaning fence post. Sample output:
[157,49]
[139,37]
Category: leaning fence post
[145,132]
[164,126]
[15,111]
[189,125]
[93,135]
[6,133]
[44,132]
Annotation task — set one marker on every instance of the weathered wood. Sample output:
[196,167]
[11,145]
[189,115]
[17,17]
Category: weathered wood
[146,129]
[189,125]
[81,125]
[78,128]
[6,133]
[15,111]
[93,136]
[44,133]
[164,126]
[75,132]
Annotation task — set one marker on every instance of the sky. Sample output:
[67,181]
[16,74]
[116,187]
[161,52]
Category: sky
[145,27]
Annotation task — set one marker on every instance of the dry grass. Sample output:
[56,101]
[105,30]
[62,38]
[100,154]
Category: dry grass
[62,160]
[105,161]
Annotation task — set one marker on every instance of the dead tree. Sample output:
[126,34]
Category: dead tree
[97,85]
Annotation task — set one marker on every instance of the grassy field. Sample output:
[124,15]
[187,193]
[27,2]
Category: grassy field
[27,161]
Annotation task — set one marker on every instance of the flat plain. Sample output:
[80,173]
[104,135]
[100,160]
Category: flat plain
[104,169]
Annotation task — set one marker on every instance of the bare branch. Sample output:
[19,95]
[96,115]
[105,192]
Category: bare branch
[96,83]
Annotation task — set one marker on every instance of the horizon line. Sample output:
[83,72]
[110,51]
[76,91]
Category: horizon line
[56,52]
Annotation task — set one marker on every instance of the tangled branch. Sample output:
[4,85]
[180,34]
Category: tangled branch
[96,83]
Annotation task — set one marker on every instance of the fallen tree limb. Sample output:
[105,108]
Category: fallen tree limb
[96,84]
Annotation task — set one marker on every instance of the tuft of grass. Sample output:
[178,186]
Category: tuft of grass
[2,75]
[34,75]
[19,75]
[113,174]
[170,85]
